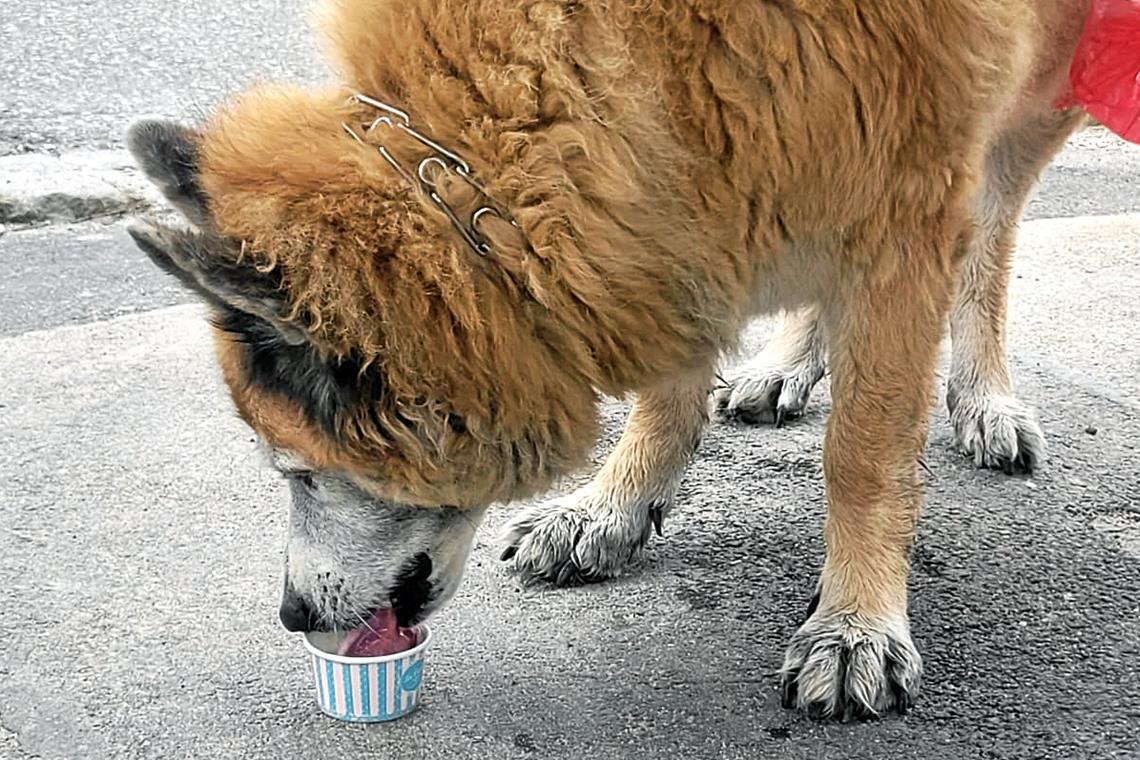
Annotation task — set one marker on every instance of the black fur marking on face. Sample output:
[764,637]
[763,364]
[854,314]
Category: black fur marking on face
[413,589]
[324,388]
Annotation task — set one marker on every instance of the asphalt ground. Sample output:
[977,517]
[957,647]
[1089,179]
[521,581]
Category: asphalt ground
[141,550]
[141,536]
[74,74]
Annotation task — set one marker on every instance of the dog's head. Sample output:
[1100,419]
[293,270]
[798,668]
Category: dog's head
[387,375]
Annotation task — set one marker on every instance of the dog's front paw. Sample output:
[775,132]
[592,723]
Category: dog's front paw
[586,537]
[998,431]
[844,666]
[768,390]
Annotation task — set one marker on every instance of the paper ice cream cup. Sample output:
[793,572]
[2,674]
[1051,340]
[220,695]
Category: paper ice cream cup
[366,689]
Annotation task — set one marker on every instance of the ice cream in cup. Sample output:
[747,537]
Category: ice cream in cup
[372,673]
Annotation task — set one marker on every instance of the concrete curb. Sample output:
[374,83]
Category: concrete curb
[39,188]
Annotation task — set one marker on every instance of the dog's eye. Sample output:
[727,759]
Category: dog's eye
[304,477]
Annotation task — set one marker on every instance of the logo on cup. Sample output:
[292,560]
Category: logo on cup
[410,680]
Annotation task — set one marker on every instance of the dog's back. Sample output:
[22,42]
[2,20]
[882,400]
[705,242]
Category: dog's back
[721,131]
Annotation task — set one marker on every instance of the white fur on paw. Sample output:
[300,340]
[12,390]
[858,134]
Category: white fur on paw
[769,390]
[843,666]
[998,431]
[585,537]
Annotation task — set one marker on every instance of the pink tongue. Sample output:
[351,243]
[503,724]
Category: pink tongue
[380,635]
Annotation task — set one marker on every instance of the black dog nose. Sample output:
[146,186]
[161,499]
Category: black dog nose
[296,614]
[413,589]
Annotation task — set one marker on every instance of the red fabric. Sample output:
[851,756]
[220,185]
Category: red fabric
[1105,73]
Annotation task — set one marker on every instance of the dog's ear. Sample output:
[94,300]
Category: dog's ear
[212,267]
[200,259]
[167,153]
[249,304]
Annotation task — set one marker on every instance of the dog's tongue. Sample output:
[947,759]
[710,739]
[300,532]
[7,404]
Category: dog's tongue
[380,635]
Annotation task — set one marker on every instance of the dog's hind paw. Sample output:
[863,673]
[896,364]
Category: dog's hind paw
[766,390]
[585,537]
[997,431]
[841,666]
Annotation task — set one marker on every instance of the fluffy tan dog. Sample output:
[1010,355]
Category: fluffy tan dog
[419,310]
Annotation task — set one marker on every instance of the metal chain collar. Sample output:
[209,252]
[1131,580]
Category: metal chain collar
[427,173]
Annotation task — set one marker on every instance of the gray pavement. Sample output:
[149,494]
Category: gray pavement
[141,545]
[72,274]
[141,536]
[74,74]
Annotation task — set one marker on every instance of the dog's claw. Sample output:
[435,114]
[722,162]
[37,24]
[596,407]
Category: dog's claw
[902,699]
[657,517]
[781,416]
[788,692]
[509,553]
[568,573]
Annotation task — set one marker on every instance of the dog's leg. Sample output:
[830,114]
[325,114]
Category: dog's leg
[774,386]
[990,423]
[854,655]
[597,531]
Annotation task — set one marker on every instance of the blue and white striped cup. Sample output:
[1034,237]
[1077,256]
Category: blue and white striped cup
[367,689]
